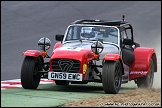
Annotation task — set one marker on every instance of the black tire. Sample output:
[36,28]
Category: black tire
[29,76]
[147,82]
[63,83]
[111,76]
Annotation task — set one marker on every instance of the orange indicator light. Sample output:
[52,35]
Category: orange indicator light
[95,56]
[22,53]
[44,54]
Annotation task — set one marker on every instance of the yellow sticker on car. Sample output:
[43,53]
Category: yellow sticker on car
[84,68]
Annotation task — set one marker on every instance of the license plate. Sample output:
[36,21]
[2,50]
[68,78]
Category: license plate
[65,76]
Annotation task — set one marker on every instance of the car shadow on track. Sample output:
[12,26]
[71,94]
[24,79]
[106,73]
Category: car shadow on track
[89,88]
[85,88]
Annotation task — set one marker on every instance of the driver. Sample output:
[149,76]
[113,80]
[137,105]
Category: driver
[87,33]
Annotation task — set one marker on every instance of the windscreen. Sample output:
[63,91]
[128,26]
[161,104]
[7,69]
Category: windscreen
[92,33]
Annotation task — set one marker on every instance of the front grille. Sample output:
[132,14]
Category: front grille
[65,65]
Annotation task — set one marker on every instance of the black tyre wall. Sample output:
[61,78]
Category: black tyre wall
[108,76]
[29,77]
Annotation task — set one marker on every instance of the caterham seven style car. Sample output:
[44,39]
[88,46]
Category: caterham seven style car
[102,51]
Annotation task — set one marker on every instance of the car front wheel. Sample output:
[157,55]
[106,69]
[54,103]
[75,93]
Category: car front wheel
[29,76]
[112,76]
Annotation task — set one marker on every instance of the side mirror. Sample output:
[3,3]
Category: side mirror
[59,37]
[136,44]
[127,42]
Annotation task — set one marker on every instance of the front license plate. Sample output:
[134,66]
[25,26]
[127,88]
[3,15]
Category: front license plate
[65,76]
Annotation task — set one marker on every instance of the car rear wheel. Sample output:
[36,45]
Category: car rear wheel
[59,82]
[147,82]
[111,76]
[29,76]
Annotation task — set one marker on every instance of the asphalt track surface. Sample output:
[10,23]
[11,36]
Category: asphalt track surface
[23,23]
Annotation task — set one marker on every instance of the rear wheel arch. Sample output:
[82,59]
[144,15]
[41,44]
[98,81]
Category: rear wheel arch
[147,81]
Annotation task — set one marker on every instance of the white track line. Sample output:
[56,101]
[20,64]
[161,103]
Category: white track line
[17,83]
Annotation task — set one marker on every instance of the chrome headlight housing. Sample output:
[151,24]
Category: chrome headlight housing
[44,43]
[97,47]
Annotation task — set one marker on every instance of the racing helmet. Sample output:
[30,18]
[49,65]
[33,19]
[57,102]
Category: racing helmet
[86,32]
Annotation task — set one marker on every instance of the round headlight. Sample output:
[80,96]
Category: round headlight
[97,47]
[44,43]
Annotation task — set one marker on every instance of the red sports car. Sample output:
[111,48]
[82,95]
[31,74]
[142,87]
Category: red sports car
[102,51]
